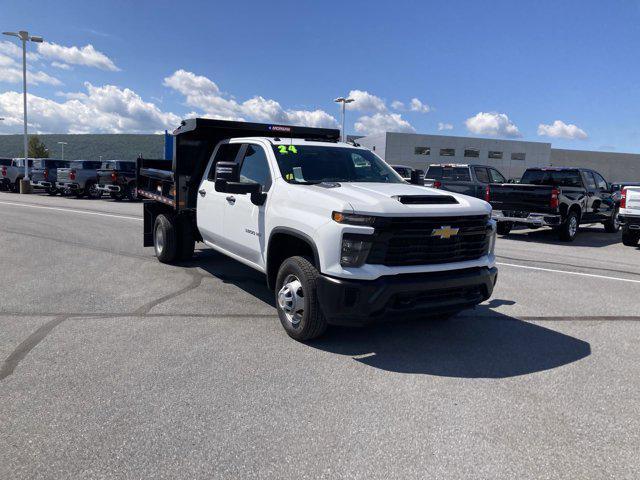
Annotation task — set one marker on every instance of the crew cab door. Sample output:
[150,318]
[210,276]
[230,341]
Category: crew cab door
[606,203]
[211,204]
[245,221]
[482,177]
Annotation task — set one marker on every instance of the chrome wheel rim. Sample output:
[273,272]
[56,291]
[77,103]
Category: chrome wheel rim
[291,300]
[573,226]
[159,240]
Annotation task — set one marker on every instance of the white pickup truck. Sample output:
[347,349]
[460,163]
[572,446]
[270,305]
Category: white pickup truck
[340,236]
[629,215]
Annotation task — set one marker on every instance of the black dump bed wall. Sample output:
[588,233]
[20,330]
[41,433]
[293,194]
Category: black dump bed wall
[196,139]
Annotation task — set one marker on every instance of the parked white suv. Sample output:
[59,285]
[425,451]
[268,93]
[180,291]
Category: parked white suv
[629,215]
[341,237]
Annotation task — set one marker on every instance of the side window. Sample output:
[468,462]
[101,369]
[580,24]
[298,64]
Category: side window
[496,176]
[601,183]
[591,184]
[227,152]
[255,167]
[434,172]
[481,174]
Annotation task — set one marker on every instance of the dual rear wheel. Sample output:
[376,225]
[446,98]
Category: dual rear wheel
[173,238]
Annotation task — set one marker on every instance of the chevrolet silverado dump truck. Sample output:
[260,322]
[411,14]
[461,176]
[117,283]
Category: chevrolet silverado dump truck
[340,237]
[118,179]
[44,174]
[629,216]
[561,198]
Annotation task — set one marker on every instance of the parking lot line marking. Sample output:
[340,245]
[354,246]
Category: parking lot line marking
[604,277]
[72,210]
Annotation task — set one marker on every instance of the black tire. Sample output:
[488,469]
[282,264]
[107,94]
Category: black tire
[52,191]
[79,193]
[311,322]
[504,228]
[186,240]
[91,189]
[117,196]
[612,225]
[164,239]
[131,194]
[629,238]
[15,187]
[568,230]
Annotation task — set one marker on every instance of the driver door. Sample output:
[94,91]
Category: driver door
[245,221]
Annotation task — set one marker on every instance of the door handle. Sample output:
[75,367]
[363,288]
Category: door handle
[202,192]
[231,199]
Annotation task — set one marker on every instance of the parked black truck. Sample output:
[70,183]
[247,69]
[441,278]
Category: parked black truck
[462,178]
[118,179]
[561,198]
[44,174]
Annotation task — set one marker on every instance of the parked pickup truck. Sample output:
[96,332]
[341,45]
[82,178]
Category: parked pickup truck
[118,179]
[340,237]
[467,179]
[10,175]
[80,178]
[44,174]
[629,216]
[561,198]
[4,163]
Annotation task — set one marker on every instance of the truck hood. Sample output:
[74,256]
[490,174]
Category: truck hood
[382,199]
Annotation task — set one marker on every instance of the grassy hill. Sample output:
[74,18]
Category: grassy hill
[90,146]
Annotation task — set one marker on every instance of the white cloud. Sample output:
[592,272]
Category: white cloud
[492,124]
[87,56]
[366,102]
[444,126]
[383,122]
[204,95]
[14,75]
[61,66]
[417,106]
[106,109]
[6,61]
[559,129]
[397,105]
[12,50]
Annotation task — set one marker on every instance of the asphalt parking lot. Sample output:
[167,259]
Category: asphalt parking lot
[117,366]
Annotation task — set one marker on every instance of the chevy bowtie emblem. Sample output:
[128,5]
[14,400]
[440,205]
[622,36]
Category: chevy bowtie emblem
[444,232]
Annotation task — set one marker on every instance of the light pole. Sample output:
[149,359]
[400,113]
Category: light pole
[25,37]
[343,101]
[62,144]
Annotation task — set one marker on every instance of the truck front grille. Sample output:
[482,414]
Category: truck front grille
[429,240]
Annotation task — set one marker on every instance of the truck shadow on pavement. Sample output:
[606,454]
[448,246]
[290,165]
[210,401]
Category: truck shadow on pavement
[477,344]
[480,343]
[588,236]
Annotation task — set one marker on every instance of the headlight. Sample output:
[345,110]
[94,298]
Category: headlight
[355,249]
[353,219]
[492,240]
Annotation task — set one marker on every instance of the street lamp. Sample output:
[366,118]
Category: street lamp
[25,37]
[62,144]
[344,102]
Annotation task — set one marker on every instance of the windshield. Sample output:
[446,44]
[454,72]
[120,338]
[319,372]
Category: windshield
[108,166]
[559,178]
[315,164]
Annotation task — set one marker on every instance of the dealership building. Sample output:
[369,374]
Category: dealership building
[511,157]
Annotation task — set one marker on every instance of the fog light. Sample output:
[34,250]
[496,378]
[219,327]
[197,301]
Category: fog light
[355,249]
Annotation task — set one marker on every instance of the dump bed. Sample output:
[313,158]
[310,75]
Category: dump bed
[175,182]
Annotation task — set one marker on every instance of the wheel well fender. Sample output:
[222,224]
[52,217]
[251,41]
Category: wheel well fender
[576,208]
[284,243]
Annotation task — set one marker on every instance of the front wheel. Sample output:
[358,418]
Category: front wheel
[297,299]
[52,191]
[504,228]
[569,228]
[612,225]
[93,192]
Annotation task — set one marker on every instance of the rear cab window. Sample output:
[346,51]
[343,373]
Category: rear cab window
[556,178]
[481,174]
[456,174]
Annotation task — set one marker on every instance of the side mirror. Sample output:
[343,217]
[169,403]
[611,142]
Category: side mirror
[228,181]
[417,177]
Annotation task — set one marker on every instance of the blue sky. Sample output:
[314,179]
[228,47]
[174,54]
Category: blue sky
[562,72]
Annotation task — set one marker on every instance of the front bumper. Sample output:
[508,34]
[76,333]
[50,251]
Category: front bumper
[357,302]
[41,184]
[109,188]
[526,218]
[632,222]
[69,185]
